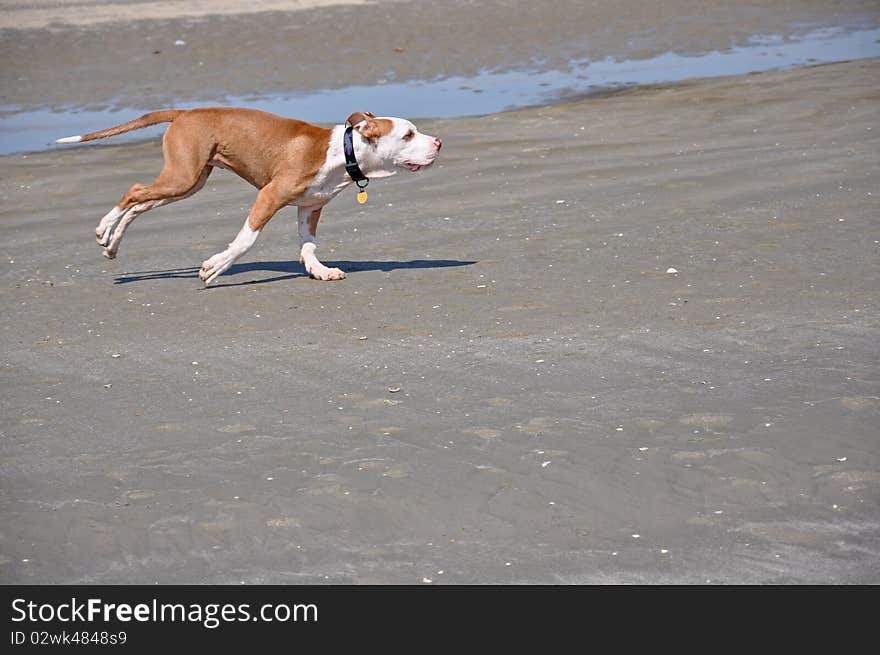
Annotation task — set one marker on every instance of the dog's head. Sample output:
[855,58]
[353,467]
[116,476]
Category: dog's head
[393,143]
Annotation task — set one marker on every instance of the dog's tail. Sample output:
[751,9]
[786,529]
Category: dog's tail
[144,121]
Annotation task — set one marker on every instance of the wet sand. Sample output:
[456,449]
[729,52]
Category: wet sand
[97,54]
[569,411]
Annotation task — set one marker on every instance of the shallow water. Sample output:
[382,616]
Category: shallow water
[485,93]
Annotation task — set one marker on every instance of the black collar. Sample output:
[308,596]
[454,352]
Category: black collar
[351,165]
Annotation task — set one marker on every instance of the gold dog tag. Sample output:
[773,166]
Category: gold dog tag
[362,197]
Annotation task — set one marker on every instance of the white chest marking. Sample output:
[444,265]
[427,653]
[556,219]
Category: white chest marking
[331,177]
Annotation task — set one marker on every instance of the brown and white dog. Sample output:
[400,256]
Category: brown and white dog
[289,161]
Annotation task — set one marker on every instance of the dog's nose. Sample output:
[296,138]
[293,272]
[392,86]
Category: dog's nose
[438,143]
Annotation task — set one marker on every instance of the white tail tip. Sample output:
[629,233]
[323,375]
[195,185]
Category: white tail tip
[70,139]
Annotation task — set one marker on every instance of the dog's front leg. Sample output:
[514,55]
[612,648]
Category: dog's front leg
[264,208]
[219,263]
[308,228]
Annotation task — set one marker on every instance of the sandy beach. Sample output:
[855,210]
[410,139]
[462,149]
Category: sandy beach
[119,53]
[569,410]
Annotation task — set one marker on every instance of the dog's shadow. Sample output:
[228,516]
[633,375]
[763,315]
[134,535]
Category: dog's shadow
[289,269]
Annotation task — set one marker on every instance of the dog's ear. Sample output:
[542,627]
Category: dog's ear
[369,126]
[358,117]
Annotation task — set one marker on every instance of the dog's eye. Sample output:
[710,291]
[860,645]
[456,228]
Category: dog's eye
[409,135]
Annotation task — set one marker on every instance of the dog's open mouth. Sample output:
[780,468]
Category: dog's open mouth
[416,167]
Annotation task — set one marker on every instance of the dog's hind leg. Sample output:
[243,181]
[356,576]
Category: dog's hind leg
[105,227]
[184,172]
[118,231]
[119,227]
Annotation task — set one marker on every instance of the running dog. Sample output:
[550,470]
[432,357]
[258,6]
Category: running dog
[291,163]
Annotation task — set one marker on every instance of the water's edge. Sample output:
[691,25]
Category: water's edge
[485,93]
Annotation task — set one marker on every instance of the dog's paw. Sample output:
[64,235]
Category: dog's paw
[321,272]
[109,253]
[213,267]
[103,236]
[105,228]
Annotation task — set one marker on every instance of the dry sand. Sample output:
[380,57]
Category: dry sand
[569,412]
[42,14]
